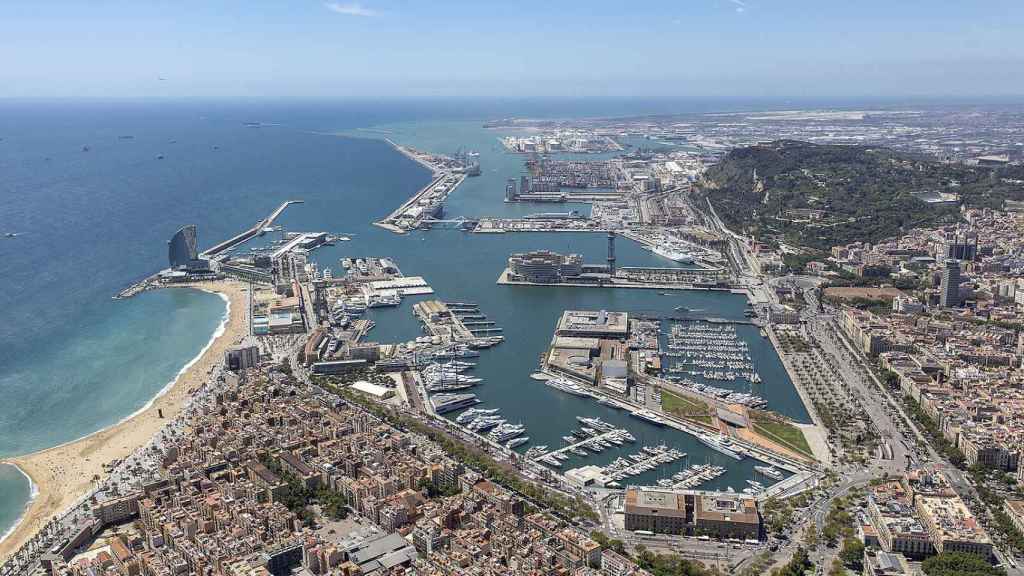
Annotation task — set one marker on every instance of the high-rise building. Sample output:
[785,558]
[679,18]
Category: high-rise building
[524,185]
[949,290]
[241,358]
[962,247]
[182,249]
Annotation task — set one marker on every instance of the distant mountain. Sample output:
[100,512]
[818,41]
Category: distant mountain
[818,196]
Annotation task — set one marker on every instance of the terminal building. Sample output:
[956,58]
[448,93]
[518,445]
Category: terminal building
[692,512]
[593,324]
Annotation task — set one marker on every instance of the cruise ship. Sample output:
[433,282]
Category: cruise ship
[648,416]
[567,387]
[450,402]
[673,254]
[554,215]
[722,446]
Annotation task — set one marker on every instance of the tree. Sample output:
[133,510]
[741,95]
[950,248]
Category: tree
[959,564]
[799,564]
[852,554]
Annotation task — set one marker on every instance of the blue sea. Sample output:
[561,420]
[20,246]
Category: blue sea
[95,189]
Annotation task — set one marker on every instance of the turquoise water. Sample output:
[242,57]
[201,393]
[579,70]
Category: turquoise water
[74,361]
[14,493]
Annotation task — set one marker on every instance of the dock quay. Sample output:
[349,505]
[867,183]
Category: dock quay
[427,204]
[690,318]
[692,477]
[449,322]
[248,234]
[737,444]
[616,281]
[502,225]
[412,155]
[645,460]
[552,457]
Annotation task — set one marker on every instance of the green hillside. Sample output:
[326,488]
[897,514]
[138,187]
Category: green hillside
[819,196]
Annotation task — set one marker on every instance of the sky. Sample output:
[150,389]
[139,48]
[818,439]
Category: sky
[371,49]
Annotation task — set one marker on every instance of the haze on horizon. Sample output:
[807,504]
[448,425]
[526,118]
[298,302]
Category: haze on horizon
[398,49]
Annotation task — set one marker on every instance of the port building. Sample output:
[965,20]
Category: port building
[593,324]
[544,267]
[692,512]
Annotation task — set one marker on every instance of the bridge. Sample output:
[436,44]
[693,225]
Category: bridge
[248,234]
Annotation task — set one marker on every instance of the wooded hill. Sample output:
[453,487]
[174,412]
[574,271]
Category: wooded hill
[819,196]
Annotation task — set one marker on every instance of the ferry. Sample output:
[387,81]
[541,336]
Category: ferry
[673,254]
[648,416]
[451,402]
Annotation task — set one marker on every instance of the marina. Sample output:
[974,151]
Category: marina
[647,459]
[525,313]
[692,477]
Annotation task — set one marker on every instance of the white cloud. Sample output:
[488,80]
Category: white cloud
[741,6]
[350,8]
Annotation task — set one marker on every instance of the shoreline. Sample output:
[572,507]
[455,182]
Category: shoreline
[33,493]
[62,475]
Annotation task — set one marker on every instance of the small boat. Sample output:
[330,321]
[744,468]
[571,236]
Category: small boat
[540,376]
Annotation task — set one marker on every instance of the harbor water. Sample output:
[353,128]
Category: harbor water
[95,190]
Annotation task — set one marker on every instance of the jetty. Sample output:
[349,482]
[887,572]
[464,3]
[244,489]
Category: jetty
[248,234]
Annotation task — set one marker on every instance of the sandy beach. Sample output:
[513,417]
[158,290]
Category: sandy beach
[64,473]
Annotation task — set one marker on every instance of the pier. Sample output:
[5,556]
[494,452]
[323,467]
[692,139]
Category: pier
[248,234]
[449,322]
[694,477]
[617,433]
[425,207]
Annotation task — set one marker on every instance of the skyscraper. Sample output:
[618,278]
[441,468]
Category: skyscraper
[949,290]
[182,248]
